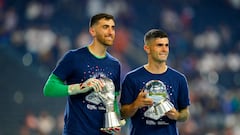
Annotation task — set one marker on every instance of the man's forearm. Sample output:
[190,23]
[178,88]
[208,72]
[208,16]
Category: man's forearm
[183,114]
[128,110]
[55,87]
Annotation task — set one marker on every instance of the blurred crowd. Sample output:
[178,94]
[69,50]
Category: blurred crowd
[204,45]
[42,124]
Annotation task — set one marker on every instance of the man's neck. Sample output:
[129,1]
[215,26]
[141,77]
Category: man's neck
[97,50]
[156,68]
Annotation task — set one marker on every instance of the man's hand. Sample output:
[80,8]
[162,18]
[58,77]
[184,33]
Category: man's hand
[142,100]
[181,115]
[114,130]
[88,85]
[172,114]
[128,110]
[96,84]
[111,130]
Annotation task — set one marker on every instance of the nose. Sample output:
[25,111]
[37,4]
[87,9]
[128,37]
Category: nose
[111,31]
[165,48]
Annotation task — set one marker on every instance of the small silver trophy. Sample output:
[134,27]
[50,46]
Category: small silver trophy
[161,104]
[107,96]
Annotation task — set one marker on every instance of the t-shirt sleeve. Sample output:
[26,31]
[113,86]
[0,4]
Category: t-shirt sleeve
[127,94]
[118,82]
[65,66]
[184,100]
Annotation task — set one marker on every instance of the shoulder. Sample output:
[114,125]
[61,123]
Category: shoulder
[135,72]
[79,50]
[112,58]
[175,73]
[73,52]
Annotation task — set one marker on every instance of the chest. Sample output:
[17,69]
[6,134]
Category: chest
[86,68]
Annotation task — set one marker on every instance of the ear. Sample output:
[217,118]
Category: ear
[146,49]
[92,31]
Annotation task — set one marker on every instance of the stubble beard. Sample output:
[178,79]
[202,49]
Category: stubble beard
[105,41]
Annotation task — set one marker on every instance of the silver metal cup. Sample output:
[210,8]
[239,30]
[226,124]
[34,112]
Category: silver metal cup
[107,96]
[161,103]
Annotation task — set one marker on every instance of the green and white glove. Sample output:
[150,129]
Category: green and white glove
[90,84]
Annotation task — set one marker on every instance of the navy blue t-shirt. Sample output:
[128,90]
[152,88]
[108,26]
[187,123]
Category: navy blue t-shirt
[84,114]
[177,89]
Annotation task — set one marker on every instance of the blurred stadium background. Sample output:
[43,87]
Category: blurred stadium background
[204,44]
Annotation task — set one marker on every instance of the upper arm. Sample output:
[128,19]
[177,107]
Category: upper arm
[54,86]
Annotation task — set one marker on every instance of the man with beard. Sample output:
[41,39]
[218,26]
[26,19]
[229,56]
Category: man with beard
[76,76]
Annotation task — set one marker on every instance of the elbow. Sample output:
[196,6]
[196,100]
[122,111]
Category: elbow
[125,114]
[46,91]
[188,115]
[185,115]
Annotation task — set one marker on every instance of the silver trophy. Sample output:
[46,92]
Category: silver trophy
[161,104]
[107,96]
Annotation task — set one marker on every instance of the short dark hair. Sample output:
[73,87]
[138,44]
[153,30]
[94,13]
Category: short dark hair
[154,33]
[98,17]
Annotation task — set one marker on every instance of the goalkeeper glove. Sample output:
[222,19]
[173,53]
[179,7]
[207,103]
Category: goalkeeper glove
[90,84]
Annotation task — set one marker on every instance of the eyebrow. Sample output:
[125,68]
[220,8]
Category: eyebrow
[162,44]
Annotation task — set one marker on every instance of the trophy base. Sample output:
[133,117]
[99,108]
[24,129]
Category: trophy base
[111,120]
[164,107]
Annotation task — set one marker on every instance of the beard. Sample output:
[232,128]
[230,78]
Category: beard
[107,41]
